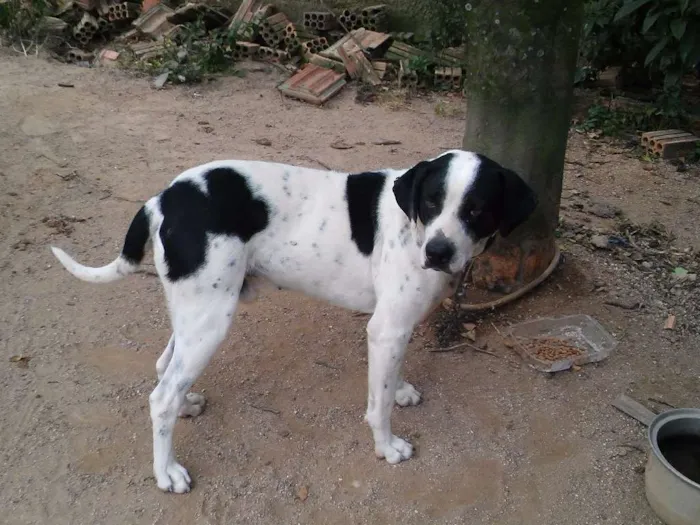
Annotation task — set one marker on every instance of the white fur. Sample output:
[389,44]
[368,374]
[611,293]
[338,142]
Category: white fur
[307,246]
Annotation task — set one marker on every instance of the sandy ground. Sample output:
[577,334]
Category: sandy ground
[282,440]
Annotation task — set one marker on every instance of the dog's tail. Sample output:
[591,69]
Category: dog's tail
[128,261]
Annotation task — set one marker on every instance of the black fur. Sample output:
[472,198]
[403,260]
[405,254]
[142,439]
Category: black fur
[136,237]
[189,214]
[499,200]
[420,192]
[362,195]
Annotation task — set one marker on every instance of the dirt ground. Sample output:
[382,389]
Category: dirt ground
[282,440]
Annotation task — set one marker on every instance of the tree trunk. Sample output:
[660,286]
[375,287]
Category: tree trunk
[521,60]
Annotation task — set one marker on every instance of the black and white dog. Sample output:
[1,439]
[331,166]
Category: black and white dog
[391,243]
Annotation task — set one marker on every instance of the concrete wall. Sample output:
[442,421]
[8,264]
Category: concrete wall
[404,15]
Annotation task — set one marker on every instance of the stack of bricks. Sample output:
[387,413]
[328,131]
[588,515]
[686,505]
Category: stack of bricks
[272,54]
[400,52]
[291,40]
[316,45]
[86,29]
[75,56]
[350,19]
[448,77]
[247,50]
[104,25]
[319,21]
[122,11]
[670,143]
[247,22]
[374,18]
[275,28]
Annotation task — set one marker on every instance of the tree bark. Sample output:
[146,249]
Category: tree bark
[521,60]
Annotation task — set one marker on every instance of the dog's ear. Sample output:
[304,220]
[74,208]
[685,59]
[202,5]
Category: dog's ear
[519,201]
[407,188]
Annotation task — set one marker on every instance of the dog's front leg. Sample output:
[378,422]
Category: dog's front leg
[387,346]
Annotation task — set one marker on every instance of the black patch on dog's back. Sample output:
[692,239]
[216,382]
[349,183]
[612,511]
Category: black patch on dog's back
[136,237]
[189,215]
[362,194]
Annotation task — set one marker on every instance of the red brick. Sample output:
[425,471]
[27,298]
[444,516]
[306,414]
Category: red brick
[313,84]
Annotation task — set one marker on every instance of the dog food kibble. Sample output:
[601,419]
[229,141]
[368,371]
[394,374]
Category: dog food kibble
[551,349]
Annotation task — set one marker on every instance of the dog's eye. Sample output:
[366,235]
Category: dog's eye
[431,203]
[474,213]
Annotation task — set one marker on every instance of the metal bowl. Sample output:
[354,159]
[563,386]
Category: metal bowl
[672,476]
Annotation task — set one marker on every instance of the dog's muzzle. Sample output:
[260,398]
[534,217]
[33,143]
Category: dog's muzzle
[439,253]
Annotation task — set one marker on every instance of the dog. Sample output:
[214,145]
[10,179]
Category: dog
[390,243]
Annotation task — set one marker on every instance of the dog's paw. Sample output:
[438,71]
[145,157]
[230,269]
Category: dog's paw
[395,451]
[174,479]
[193,405]
[407,395]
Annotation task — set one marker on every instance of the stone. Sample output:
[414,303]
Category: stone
[603,210]
[160,80]
[601,241]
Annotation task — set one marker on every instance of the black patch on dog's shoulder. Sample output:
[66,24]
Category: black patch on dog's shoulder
[136,237]
[189,214]
[362,193]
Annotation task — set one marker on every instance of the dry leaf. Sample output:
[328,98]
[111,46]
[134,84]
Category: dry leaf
[263,142]
[447,304]
[471,335]
[469,326]
[21,360]
[508,343]
[303,493]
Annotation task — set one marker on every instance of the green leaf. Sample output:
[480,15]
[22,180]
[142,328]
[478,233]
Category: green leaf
[680,272]
[678,28]
[650,20]
[629,7]
[686,46]
[684,5]
[656,50]
[672,79]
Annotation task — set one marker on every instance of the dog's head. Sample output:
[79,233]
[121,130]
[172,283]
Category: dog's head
[457,202]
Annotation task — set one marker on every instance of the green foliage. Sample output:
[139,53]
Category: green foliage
[421,65]
[448,22]
[196,53]
[615,121]
[20,18]
[606,41]
[660,36]
[672,29]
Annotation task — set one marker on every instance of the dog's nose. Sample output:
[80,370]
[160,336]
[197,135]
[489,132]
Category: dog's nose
[439,252]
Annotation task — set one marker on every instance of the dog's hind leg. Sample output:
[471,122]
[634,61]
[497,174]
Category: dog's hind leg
[194,403]
[201,316]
